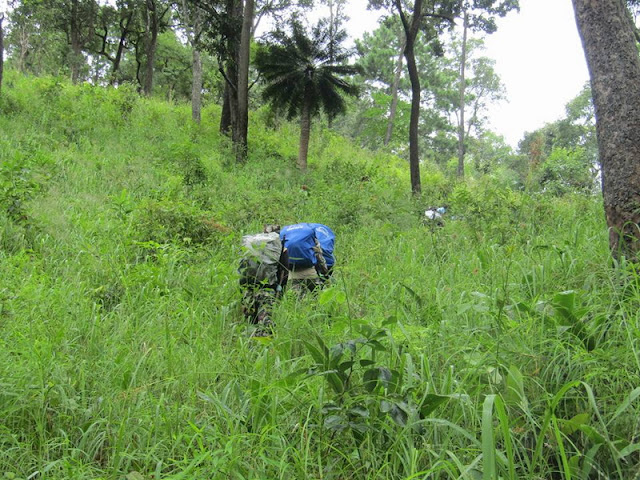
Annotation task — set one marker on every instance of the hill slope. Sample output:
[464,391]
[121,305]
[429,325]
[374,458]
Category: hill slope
[501,342]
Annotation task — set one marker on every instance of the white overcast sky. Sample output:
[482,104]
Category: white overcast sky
[538,56]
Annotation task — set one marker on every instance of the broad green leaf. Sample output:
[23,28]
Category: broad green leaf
[399,415]
[430,403]
[635,393]
[488,442]
[515,389]
[633,447]
[570,426]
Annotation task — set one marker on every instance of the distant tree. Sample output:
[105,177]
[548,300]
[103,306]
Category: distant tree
[156,18]
[381,55]
[414,20]
[79,26]
[37,40]
[429,17]
[301,81]
[476,16]
[334,24]
[192,15]
[115,25]
[610,47]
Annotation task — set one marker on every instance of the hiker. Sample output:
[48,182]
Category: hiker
[310,248]
[263,276]
[433,216]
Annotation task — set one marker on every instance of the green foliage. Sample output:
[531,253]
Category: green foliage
[566,171]
[299,75]
[500,344]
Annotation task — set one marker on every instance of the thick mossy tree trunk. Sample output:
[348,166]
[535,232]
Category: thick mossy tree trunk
[614,67]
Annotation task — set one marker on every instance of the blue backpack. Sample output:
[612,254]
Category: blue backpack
[327,240]
[299,240]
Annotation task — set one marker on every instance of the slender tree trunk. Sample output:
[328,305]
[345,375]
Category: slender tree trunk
[24,50]
[614,67]
[230,96]
[151,45]
[1,50]
[76,48]
[461,94]
[242,120]
[394,96]
[225,117]
[414,153]
[194,31]
[411,32]
[196,86]
[305,134]
[124,32]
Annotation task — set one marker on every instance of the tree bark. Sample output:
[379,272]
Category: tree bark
[461,93]
[411,32]
[196,86]
[305,134]
[225,117]
[24,49]
[230,71]
[193,35]
[394,96]
[76,46]
[614,67]
[152,28]
[124,32]
[242,120]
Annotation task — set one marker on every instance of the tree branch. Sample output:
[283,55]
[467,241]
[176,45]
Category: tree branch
[229,82]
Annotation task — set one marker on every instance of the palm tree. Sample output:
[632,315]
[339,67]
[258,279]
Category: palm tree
[303,76]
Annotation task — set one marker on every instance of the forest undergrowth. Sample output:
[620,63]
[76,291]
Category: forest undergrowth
[503,344]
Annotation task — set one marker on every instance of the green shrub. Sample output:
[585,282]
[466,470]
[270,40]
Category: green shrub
[166,221]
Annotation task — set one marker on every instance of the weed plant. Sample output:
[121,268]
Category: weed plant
[503,344]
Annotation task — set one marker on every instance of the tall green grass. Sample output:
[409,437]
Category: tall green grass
[501,345]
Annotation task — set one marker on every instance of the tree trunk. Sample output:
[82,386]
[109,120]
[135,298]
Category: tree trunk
[305,133]
[461,93]
[124,32]
[152,28]
[196,86]
[225,117]
[394,96]
[414,152]
[24,50]
[193,35]
[1,51]
[242,120]
[230,72]
[614,67]
[76,47]
[411,33]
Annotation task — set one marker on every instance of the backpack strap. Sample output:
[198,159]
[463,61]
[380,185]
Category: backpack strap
[321,263]
[283,268]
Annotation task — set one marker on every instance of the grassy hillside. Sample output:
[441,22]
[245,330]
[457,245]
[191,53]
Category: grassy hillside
[502,345]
